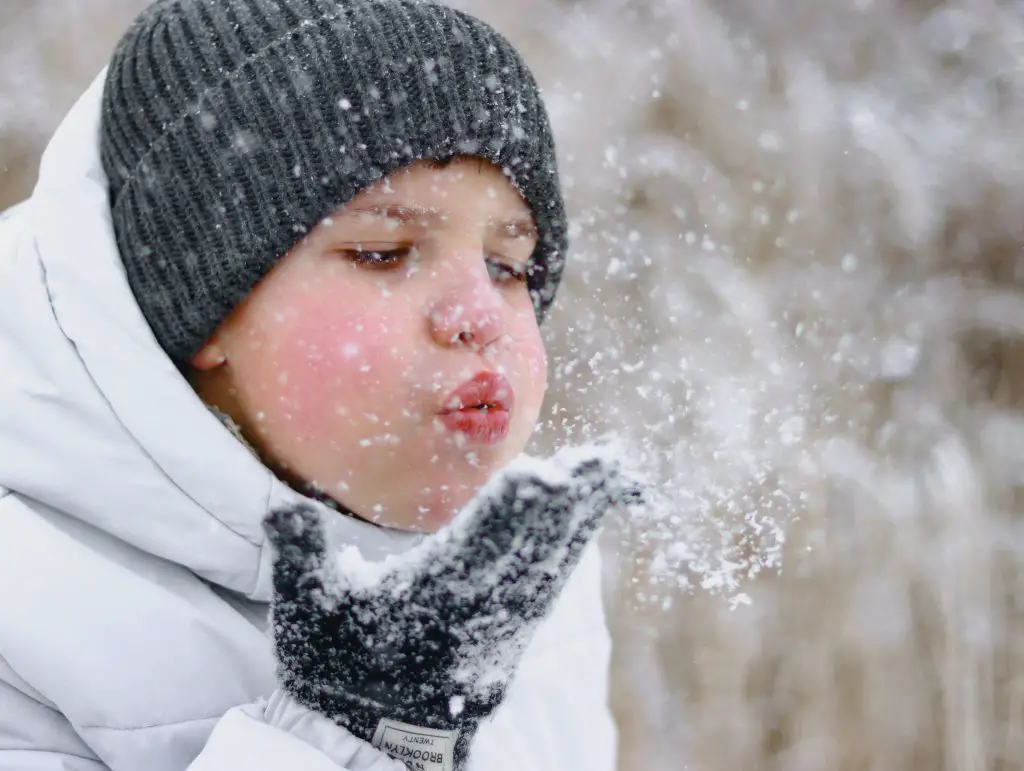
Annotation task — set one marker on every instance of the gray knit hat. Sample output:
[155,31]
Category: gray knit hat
[230,128]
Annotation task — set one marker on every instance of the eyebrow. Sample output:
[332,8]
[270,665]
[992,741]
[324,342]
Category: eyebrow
[522,227]
[518,227]
[407,215]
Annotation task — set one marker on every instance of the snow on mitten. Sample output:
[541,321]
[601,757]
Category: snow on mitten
[412,653]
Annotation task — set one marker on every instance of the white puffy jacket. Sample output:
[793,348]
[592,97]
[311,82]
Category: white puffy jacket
[134,574]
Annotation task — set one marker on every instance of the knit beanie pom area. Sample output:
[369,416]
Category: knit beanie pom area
[230,128]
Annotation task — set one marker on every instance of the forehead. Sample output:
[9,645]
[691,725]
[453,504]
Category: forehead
[462,181]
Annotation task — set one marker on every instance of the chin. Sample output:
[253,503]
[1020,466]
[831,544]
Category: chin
[427,522]
[431,525]
[438,512]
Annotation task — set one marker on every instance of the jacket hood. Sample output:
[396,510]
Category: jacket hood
[95,420]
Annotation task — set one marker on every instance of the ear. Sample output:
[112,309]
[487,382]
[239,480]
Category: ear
[210,356]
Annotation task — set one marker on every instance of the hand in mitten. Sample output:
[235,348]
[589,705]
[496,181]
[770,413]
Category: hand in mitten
[411,654]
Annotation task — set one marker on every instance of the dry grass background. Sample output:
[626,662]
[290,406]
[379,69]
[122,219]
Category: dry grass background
[796,285]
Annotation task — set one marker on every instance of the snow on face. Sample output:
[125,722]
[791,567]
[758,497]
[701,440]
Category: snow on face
[352,345]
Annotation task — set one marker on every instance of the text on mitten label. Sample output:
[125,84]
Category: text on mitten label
[421,749]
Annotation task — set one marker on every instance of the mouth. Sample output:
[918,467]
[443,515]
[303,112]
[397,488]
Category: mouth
[480,410]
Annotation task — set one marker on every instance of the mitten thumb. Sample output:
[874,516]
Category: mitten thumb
[297,535]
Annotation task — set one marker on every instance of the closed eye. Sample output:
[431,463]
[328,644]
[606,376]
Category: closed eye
[503,272]
[379,258]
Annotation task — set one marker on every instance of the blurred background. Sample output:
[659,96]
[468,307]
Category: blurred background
[795,288]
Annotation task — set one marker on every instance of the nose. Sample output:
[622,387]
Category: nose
[469,314]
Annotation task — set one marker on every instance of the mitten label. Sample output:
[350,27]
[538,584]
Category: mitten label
[421,749]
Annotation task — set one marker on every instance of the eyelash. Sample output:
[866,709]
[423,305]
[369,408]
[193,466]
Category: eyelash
[392,258]
[379,258]
[510,273]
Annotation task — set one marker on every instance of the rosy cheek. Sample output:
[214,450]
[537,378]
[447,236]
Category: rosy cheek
[539,365]
[531,361]
[338,366]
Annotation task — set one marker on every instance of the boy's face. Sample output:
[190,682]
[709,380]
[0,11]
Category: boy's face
[344,365]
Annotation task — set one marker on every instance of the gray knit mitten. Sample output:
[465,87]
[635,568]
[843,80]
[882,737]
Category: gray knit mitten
[412,653]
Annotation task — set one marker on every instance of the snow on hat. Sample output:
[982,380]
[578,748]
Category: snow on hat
[231,127]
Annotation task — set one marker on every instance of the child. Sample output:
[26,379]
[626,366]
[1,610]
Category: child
[289,258]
